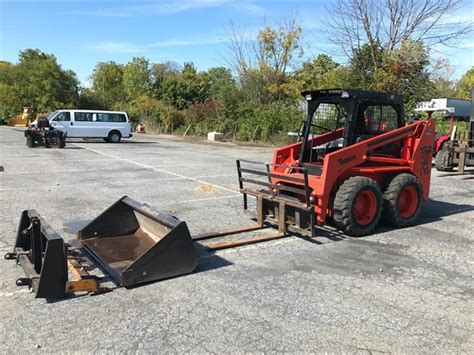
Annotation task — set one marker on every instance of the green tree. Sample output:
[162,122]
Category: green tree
[264,66]
[314,73]
[445,88]
[188,87]
[42,84]
[465,84]
[137,78]
[156,114]
[160,72]
[89,100]
[406,70]
[223,89]
[107,84]
[364,64]
[10,103]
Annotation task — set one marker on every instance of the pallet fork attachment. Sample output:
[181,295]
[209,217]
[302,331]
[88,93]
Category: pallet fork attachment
[272,209]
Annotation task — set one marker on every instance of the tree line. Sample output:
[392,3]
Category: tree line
[257,95]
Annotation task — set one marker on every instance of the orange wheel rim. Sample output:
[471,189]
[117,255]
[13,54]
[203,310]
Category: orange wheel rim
[408,201]
[365,207]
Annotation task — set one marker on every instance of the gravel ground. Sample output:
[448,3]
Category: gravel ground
[408,290]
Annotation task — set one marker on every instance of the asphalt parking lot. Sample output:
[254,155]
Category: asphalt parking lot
[407,290]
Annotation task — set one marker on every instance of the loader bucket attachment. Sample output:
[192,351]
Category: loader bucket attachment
[42,254]
[136,245]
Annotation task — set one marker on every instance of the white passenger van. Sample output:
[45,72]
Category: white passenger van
[112,126]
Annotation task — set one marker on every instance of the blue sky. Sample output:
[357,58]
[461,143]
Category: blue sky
[82,33]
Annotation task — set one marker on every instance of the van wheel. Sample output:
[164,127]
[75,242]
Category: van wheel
[106,140]
[114,137]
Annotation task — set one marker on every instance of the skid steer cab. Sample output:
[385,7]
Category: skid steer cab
[355,163]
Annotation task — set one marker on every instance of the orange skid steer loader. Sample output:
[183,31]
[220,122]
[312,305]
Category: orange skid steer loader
[355,163]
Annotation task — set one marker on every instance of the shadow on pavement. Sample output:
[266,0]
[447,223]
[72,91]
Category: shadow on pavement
[97,141]
[432,211]
[208,260]
[468,172]
[435,210]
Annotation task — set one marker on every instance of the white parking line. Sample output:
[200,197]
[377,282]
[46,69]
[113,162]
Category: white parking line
[51,171]
[201,199]
[100,183]
[159,169]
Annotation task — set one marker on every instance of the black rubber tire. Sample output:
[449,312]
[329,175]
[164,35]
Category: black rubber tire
[442,160]
[114,137]
[106,140]
[391,214]
[62,142]
[29,142]
[344,203]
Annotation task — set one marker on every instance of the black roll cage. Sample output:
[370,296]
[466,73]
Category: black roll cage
[352,100]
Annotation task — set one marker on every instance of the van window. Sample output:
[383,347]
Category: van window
[63,116]
[99,117]
[83,116]
[111,117]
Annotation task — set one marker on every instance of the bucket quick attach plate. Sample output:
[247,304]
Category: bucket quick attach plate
[136,244]
[42,254]
[50,267]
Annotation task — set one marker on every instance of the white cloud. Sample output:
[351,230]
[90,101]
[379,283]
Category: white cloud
[184,43]
[249,8]
[173,7]
[116,47]
[127,47]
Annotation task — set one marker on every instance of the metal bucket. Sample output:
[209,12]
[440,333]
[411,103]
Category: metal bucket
[137,245]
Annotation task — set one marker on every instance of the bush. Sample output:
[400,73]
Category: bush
[203,117]
[273,121]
